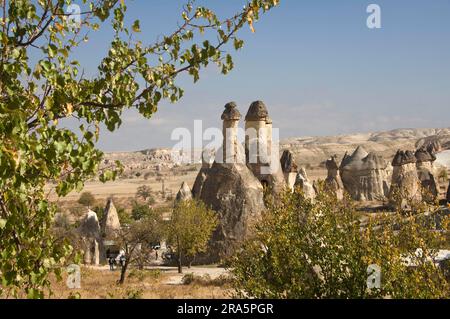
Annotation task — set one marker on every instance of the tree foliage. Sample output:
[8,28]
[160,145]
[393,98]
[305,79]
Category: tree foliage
[41,83]
[323,249]
[140,211]
[86,199]
[190,228]
[136,238]
[145,192]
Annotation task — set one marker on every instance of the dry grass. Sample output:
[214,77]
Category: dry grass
[145,284]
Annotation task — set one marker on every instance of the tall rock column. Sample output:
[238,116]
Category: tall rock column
[110,221]
[235,194]
[404,177]
[333,182]
[289,168]
[425,172]
[230,147]
[258,140]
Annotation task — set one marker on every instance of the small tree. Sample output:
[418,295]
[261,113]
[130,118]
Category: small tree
[140,211]
[135,238]
[314,250]
[145,192]
[190,229]
[86,199]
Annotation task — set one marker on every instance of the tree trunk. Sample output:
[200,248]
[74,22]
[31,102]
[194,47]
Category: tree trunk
[123,271]
[180,265]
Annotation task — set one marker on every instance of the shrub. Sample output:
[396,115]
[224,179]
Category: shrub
[86,199]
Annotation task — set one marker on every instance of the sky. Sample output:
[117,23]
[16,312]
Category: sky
[317,66]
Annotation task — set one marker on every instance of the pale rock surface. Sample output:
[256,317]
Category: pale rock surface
[237,197]
[207,160]
[110,224]
[405,177]
[289,168]
[365,175]
[305,185]
[333,182]
[184,194]
[425,171]
[89,231]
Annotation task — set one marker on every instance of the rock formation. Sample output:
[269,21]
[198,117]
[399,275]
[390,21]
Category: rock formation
[207,160]
[258,148]
[237,196]
[110,224]
[289,168]
[404,177]
[365,176]
[305,185]
[184,193]
[231,189]
[89,231]
[425,171]
[333,182]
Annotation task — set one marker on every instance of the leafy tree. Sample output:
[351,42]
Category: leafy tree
[190,228]
[86,199]
[124,216]
[135,239]
[42,83]
[145,192]
[140,211]
[322,249]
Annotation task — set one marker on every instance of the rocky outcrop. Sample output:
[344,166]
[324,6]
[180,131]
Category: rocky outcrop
[110,224]
[305,185]
[333,182]
[289,168]
[184,194]
[405,181]
[287,162]
[90,234]
[207,159]
[258,148]
[365,176]
[425,172]
[237,197]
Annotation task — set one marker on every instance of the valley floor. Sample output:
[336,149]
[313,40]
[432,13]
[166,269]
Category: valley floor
[150,283]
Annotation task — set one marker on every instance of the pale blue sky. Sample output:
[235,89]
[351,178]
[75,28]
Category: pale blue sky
[315,64]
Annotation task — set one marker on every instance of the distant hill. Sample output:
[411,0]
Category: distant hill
[308,151]
[312,151]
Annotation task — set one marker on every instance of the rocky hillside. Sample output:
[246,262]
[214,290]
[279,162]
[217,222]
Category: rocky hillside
[310,152]
[313,151]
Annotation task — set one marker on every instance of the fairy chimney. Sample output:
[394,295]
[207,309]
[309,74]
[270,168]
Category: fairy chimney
[110,222]
[333,182]
[405,178]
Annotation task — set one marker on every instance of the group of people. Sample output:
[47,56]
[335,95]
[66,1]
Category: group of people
[112,261]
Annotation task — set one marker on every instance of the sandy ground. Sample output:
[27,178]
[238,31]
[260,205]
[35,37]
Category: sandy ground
[150,283]
[123,188]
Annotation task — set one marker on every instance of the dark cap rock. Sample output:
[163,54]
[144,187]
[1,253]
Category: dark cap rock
[404,158]
[257,112]
[423,155]
[231,112]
